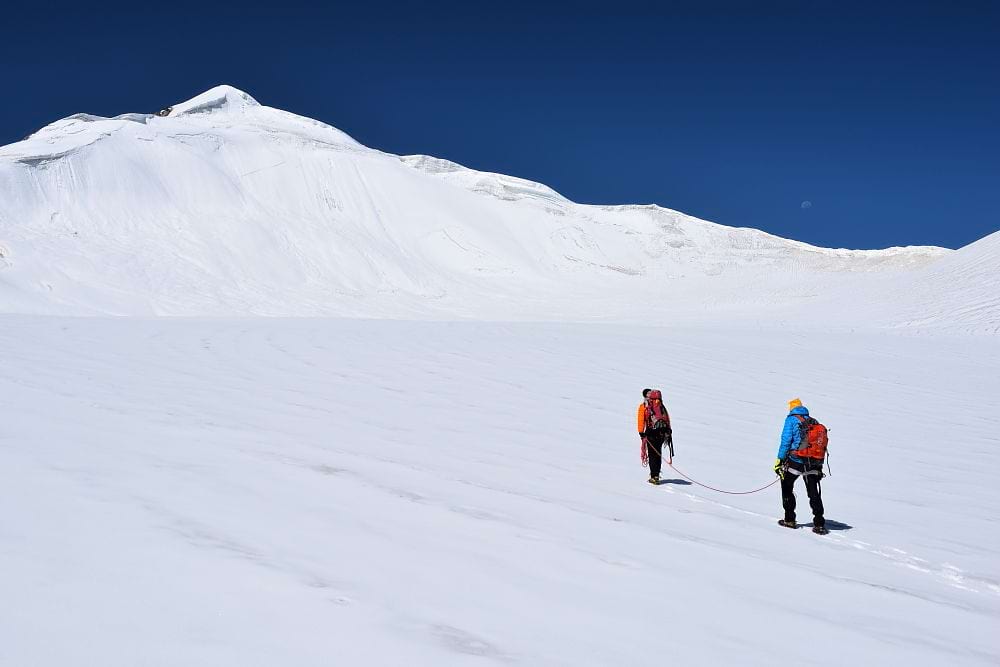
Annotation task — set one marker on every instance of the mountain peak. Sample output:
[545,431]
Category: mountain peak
[222,98]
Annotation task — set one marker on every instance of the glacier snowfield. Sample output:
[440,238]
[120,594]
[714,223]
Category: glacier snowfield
[315,492]
[271,397]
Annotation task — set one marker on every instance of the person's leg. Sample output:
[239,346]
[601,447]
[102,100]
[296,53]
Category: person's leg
[788,495]
[654,449]
[815,499]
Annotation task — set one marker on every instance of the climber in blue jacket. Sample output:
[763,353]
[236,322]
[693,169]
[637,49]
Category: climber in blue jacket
[789,467]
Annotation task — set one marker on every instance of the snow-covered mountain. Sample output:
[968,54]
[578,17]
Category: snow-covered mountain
[228,207]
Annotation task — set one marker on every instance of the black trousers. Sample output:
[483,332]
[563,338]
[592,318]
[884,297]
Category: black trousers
[654,450]
[812,489]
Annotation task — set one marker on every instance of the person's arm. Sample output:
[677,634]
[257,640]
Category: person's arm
[787,436]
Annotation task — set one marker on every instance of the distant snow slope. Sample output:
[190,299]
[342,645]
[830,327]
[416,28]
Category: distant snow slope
[962,291]
[229,207]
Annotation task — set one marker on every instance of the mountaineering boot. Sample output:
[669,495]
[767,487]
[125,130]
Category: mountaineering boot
[820,530]
[788,524]
[653,480]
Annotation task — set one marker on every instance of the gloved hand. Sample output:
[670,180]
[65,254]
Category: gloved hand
[642,436]
[779,466]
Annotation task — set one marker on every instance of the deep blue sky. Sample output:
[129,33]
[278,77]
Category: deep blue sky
[883,115]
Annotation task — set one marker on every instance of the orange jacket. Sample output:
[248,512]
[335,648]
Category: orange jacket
[643,416]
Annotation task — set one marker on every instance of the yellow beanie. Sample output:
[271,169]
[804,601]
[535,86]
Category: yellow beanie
[794,403]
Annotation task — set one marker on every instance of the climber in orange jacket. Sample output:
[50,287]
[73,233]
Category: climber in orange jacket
[654,429]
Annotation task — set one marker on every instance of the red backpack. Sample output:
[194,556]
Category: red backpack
[657,417]
[814,439]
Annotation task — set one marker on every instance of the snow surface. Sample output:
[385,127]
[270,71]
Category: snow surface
[417,488]
[315,492]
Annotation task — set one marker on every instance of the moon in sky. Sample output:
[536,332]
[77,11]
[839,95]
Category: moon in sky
[807,204]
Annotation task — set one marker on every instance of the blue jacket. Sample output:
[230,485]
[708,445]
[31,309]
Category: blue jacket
[791,434]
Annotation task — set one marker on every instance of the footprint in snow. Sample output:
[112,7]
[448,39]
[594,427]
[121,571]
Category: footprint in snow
[461,641]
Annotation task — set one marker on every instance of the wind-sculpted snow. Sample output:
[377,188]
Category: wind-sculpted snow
[227,207]
[314,492]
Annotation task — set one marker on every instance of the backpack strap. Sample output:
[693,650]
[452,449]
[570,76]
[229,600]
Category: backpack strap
[802,420]
[647,416]
[805,418]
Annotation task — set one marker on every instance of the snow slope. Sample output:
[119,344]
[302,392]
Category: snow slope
[226,206]
[961,292]
[313,492]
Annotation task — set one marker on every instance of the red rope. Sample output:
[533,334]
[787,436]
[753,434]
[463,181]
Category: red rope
[712,488]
